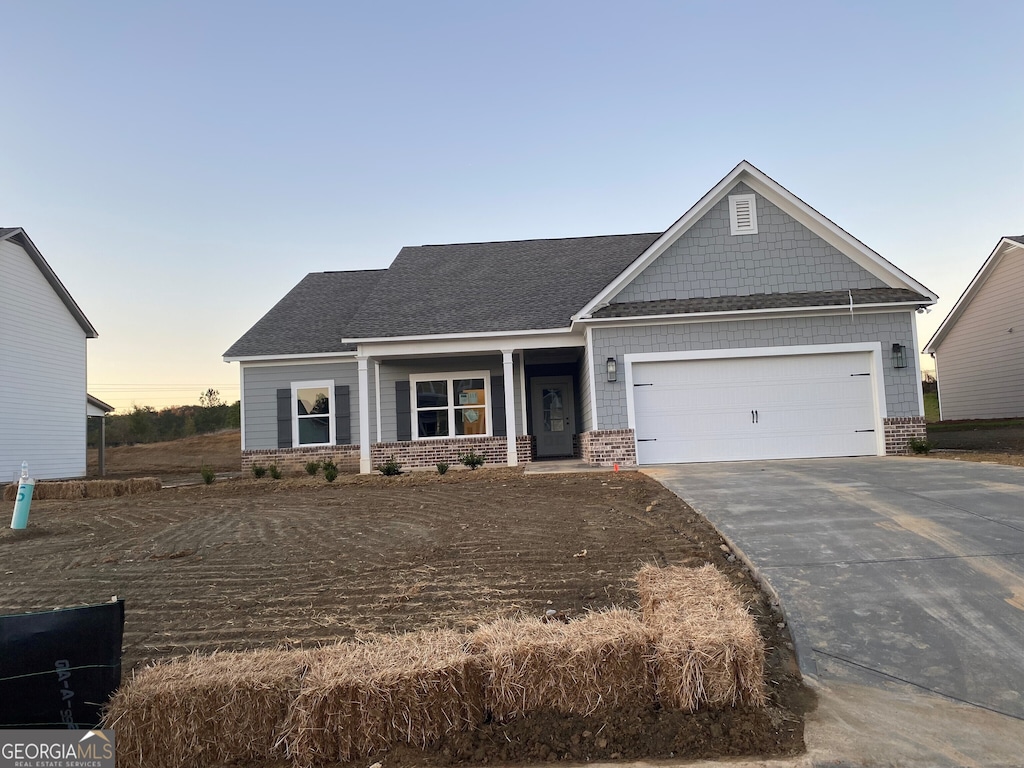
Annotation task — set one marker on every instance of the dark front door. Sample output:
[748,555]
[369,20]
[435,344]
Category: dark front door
[554,421]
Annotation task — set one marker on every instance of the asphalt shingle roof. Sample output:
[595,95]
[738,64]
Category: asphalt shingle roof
[761,301]
[503,286]
[311,318]
[1017,239]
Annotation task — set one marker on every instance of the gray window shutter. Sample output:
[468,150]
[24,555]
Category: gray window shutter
[498,406]
[284,418]
[403,411]
[343,419]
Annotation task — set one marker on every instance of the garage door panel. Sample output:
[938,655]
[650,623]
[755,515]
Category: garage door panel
[735,409]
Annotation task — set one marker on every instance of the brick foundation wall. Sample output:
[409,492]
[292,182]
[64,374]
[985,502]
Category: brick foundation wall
[426,453]
[900,430]
[294,460]
[608,447]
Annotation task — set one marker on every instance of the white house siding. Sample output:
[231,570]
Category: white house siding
[901,385]
[42,374]
[980,363]
[784,256]
[399,370]
[261,381]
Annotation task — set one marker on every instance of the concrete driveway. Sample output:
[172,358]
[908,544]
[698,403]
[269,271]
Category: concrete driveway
[899,576]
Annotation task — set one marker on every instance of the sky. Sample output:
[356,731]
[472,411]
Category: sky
[182,165]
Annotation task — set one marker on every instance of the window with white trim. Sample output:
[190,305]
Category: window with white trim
[313,412]
[742,215]
[450,404]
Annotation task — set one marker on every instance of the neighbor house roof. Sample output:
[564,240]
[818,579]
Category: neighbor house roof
[312,318]
[856,297]
[18,235]
[1004,246]
[492,287]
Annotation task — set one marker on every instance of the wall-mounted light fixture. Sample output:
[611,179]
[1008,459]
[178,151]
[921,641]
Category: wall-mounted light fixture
[613,373]
[899,356]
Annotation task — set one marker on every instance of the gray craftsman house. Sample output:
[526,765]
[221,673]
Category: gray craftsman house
[752,328]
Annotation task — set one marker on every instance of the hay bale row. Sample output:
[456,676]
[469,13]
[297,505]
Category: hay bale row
[693,646]
[87,489]
[600,661]
[360,698]
[708,649]
[206,710]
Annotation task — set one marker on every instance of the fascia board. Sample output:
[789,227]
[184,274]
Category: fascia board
[747,314]
[1004,246]
[21,238]
[459,346]
[324,357]
[448,336]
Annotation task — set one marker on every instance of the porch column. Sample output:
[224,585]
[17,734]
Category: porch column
[510,407]
[365,465]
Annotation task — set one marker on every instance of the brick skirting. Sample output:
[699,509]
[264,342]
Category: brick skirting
[414,454]
[290,460]
[608,447]
[900,430]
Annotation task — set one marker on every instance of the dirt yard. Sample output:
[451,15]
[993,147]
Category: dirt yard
[250,563]
[999,442]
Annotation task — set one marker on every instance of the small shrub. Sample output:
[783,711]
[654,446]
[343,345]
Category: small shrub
[208,475]
[330,471]
[442,467]
[919,445]
[258,471]
[312,467]
[472,460]
[275,472]
[390,468]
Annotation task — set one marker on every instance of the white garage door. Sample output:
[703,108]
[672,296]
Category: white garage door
[738,409]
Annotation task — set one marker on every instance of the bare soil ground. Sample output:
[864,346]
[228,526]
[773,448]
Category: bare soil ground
[250,563]
[999,442]
[221,451]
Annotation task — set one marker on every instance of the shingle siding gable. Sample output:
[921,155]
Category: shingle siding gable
[784,256]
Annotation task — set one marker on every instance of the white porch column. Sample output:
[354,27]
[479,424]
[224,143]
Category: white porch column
[510,406]
[365,465]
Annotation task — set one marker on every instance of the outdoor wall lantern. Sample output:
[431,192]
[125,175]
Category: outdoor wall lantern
[612,370]
[899,356]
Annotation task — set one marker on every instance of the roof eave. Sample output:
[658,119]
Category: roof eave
[747,313]
[1004,246]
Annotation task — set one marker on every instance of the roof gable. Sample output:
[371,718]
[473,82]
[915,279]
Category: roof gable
[18,236]
[1011,245]
[492,287]
[311,319]
[749,179]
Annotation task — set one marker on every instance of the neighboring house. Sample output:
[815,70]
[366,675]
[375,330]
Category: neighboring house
[752,328]
[979,348]
[43,336]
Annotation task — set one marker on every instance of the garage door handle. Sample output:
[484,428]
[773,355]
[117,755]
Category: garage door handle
[754,417]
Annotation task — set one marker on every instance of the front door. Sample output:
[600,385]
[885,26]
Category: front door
[554,420]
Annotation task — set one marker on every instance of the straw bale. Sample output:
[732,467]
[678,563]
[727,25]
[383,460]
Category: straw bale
[359,698]
[103,489]
[597,662]
[206,710]
[74,489]
[142,485]
[708,651]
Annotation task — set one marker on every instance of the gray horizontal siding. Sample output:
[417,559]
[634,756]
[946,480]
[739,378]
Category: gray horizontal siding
[392,371]
[260,385]
[901,386]
[981,361]
[784,256]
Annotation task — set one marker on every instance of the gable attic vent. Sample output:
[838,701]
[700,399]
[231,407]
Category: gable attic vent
[742,215]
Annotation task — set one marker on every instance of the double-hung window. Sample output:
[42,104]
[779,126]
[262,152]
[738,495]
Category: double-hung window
[450,404]
[313,412]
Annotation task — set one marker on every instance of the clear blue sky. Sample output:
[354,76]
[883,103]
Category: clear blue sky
[182,165]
